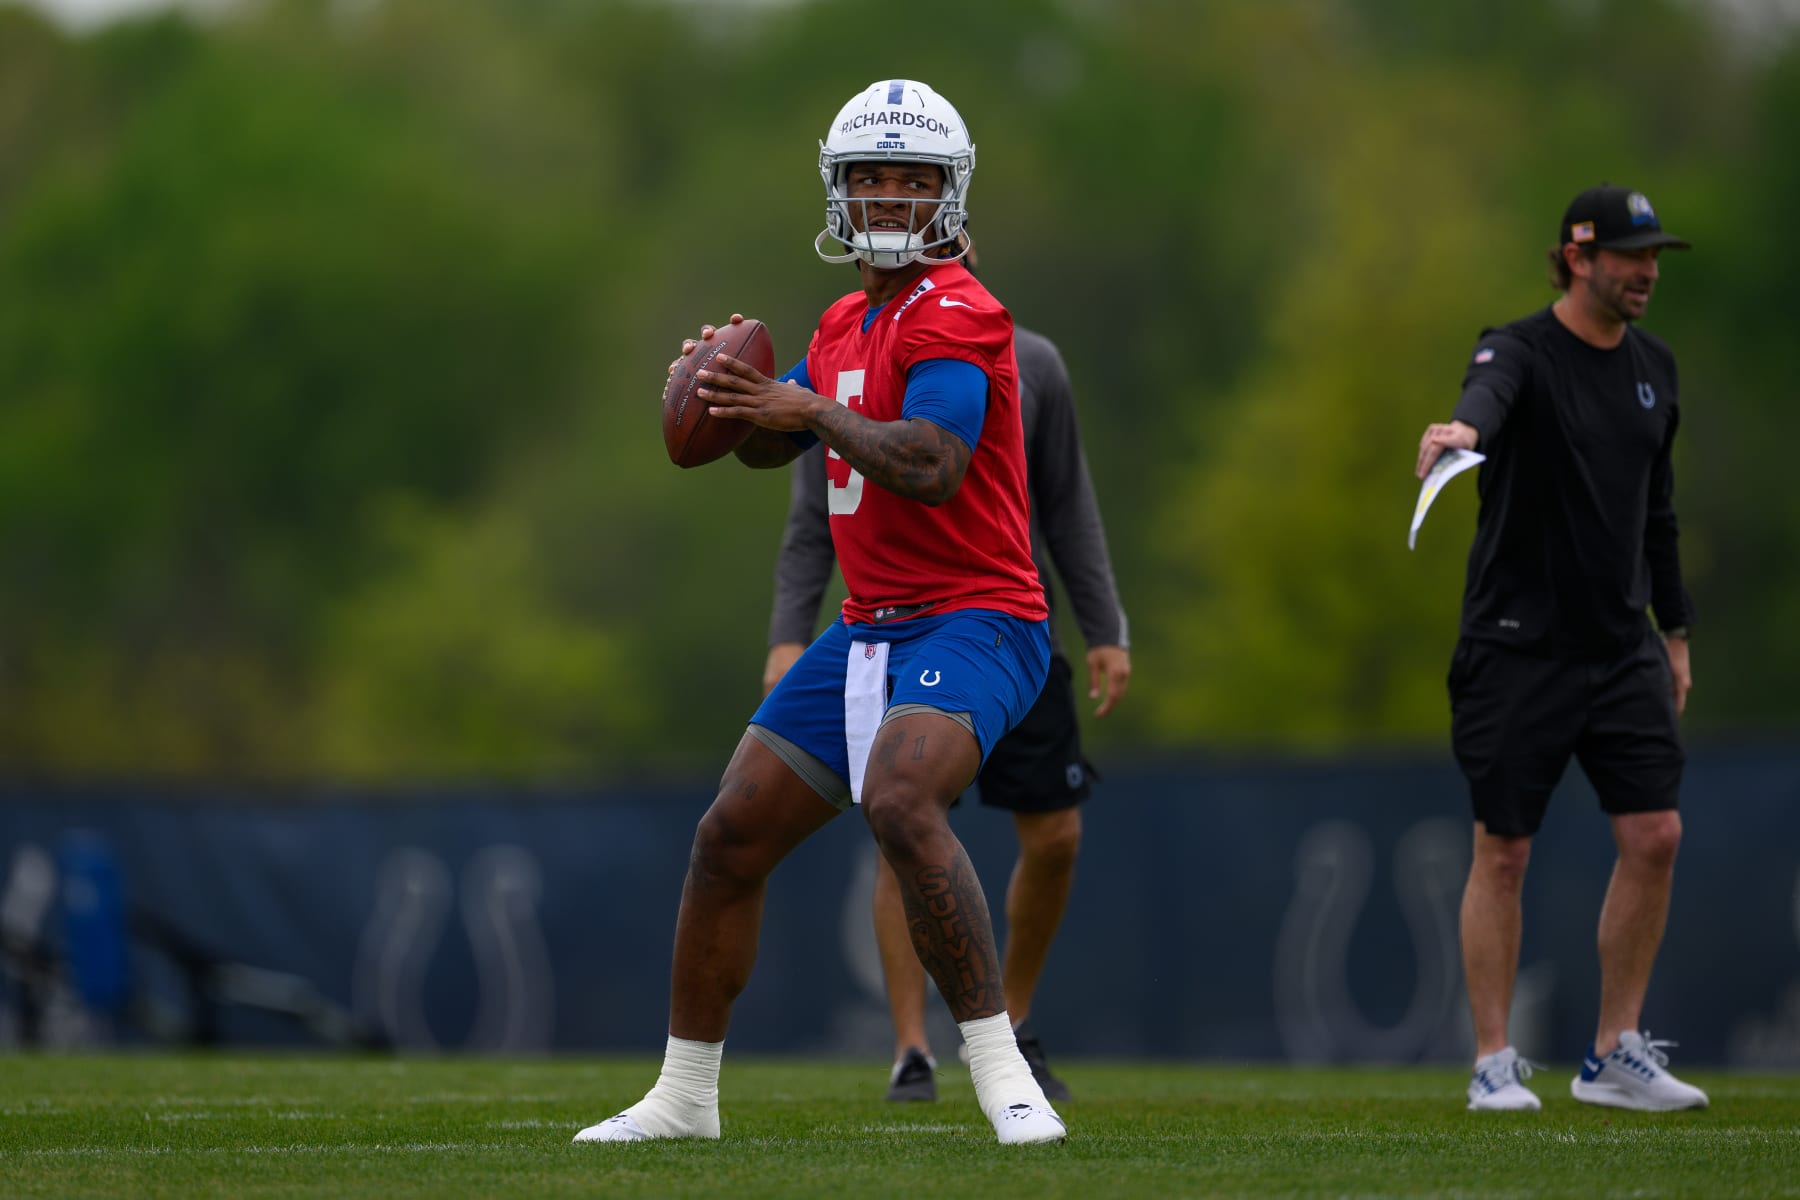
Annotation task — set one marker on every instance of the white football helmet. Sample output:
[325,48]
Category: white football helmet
[896,120]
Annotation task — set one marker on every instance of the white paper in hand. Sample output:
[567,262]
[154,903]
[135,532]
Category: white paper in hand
[1449,465]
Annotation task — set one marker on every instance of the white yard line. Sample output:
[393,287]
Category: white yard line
[293,1149]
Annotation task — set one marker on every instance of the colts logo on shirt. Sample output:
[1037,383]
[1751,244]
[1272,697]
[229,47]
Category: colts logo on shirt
[1646,395]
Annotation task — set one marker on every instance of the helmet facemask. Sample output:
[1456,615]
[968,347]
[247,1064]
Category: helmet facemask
[892,248]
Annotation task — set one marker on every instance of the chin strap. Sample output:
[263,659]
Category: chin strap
[962,251]
[819,247]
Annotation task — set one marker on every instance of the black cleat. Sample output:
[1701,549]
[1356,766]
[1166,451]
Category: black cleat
[1033,1050]
[914,1077]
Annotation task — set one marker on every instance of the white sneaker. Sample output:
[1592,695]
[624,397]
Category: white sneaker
[1498,1084]
[1020,1124]
[1633,1077]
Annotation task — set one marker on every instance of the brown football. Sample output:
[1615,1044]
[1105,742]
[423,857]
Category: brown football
[691,434]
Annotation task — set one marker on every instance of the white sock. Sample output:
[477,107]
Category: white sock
[999,1072]
[685,1100]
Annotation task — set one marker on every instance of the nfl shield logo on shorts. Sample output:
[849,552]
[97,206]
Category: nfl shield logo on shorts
[869,650]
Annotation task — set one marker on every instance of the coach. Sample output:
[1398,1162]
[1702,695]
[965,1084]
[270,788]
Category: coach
[1576,410]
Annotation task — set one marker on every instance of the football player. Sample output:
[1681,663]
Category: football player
[942,645]
[1037,772]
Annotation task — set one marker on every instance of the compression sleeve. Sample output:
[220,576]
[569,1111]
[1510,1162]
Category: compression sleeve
[806,439]
[949,393]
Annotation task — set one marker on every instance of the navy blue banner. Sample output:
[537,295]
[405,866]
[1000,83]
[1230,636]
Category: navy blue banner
[1298,911]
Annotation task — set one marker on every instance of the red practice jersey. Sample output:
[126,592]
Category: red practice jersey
[975,550]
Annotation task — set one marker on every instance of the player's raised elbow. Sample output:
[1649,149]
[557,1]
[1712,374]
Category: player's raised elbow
[939,486]
[939,495]
[946,464]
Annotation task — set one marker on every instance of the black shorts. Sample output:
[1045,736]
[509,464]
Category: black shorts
[1516,718]
[1038,766]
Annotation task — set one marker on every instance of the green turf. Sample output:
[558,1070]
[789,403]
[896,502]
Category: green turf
[189,1126]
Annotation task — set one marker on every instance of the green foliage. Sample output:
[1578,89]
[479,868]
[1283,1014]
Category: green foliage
[329,335]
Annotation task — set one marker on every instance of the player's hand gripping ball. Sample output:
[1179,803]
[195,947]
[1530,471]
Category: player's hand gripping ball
[691,434]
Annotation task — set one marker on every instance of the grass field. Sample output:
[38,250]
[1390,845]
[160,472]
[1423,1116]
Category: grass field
[188,1126]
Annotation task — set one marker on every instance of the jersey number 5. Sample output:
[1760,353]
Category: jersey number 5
[846,499]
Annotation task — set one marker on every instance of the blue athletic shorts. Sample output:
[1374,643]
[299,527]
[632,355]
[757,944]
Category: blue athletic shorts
[975,661]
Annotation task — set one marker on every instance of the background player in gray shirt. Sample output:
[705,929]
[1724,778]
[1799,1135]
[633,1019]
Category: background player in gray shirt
[1037,771]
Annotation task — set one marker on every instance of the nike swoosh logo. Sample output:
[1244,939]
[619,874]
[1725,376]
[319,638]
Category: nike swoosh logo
[946,302]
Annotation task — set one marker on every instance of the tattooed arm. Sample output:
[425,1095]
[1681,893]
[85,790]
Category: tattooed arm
[912,458]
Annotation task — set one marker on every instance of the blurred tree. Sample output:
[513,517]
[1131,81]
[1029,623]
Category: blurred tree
[329,335]
[1284,590]
[264,310]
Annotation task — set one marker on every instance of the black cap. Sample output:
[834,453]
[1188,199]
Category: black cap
[1615,218]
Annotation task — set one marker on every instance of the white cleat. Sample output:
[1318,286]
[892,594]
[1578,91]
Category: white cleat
[621,1128]
[1021,1124]
[1633,1076]
[655,1117]
[1498,1084]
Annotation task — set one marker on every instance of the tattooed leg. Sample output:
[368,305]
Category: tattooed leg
[919,766]
[954,937]
[921,763]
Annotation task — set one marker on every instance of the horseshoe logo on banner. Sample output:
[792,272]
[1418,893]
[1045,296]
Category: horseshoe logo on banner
[1318,1018]
[501,889]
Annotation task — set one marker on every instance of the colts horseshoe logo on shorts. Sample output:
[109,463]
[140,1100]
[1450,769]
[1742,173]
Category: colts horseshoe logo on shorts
[937,677]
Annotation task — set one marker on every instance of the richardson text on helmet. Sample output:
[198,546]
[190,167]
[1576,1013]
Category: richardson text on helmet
[911,120]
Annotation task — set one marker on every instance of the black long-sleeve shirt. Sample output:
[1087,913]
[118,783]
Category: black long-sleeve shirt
[1577,530]
[1065,517]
